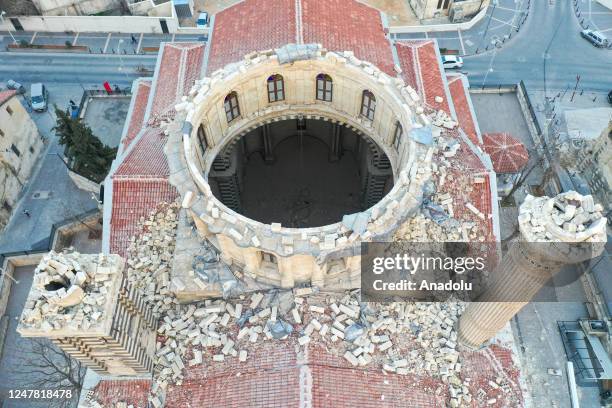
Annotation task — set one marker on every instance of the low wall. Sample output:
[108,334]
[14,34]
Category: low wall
[439,27]
[102,24]
[84,183]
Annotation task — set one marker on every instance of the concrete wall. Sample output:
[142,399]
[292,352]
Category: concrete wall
[439,27]
[75,7]
[104,24]
[20,145]
[149,8]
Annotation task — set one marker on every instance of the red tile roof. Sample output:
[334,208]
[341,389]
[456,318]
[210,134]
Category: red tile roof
[339,25]
[133,199]
[6,95]
[147,158]
[410,72]
[277,375]
[133,392]
[140,182]
[460,96]
[139,107]
[342,25]
[507,153]
[250,26]
[422,68]
[179,68]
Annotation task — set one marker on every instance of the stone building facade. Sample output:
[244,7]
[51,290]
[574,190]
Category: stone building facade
[594,162]
[456,10]
[20,145]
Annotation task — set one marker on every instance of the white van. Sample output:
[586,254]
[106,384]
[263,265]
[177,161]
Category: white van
[39,96]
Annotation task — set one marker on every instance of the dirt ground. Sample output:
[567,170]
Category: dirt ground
[398,11]
[18,8]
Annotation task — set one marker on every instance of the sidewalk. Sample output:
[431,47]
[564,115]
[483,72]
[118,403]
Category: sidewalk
[499,25]
[98,43]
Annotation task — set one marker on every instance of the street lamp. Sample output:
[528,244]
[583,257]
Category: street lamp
[121,59]
[2,14]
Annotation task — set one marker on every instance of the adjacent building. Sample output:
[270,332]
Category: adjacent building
[20,145]
[456,10]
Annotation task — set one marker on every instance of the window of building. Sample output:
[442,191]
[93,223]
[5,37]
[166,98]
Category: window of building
[267,257]
[7,206]
[202,139]
[31,149]
[1,133]
[232,110]
[397,135]
[9,110]
[324,87]
[368,105]
[15,150]
[276,88]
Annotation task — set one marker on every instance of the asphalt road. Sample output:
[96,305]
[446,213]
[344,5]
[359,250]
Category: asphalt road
[85,69]
[547,53]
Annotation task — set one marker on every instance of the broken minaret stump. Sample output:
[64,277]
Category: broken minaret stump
[554,232]
[83,304]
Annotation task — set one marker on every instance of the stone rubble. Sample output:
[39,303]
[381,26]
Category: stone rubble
[70,292]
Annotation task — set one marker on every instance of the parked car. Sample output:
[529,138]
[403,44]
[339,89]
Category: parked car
[595,37]
[452,61]
[10,84]
[39,96]
[610,97]
[202,20]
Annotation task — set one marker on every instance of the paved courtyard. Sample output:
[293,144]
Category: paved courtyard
[106,117]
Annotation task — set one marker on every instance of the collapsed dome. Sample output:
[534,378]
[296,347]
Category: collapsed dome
[298,154]
[301,173]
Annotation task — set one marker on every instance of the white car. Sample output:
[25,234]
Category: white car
[452,61]
[595,37]
[38,97]
[202,20]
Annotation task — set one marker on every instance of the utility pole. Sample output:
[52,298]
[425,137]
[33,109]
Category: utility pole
[575,87]
[2,14]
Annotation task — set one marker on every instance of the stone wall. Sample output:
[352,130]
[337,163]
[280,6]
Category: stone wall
[20,146]
[302,255]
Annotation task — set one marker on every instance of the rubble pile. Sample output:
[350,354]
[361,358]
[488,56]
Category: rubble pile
[70,291]
[150,258]
[403,338]
[576,215]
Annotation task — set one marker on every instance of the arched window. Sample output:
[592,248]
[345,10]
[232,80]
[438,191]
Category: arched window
[202,139]
[397,135]
[276,88]
[368,105]
[232,110]
[324,87]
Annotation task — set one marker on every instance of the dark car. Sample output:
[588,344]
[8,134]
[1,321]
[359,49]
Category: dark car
[610,97]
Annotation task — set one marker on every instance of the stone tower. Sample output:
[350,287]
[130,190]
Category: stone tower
[554,232]
[85,306]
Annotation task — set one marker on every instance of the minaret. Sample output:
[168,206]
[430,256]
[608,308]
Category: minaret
[85,306]
[554,232]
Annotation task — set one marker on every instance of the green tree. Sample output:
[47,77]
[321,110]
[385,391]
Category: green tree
[87,155]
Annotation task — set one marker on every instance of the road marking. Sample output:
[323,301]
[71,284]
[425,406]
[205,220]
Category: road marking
[108,37]
[33,37]
[76,37]
[606,30]
[503,22]
[461,41]
[139,43]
